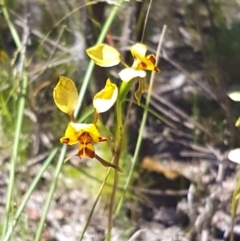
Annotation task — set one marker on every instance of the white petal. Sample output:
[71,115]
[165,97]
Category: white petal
[129,73]
[79,126]
[102,105]
[234,155]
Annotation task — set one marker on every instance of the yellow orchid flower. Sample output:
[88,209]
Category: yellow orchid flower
[104,55]
[86,135]
[140,64]
[138,70]
[105,99]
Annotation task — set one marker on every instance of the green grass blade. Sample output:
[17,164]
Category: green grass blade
[51,192]
[28,194]
[11,27]
[21,106]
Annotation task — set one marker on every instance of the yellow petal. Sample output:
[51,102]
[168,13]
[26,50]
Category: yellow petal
[104,55]
[72,133]
[145,63]
[148,63]
[92,130]
[138,49]
[128,73]
[105,99]
[65,95]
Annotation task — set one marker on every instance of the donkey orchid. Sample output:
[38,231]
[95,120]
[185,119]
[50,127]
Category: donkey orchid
[140,64]
[86,135]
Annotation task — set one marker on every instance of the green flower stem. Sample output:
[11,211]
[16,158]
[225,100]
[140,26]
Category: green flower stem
[124,89]
[115,161]
[28,194]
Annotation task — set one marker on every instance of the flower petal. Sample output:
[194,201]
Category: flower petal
[94,133]
[152,66]
[74,131]
[86,147]
[138,49]
[65,95]
[105,99]
[142,87]
[83,133]
[71,135]
[237,124]
[147,63]
[86,150]
[128,73]
[234,155]
[104,55]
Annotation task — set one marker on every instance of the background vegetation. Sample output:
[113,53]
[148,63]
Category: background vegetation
[183,182]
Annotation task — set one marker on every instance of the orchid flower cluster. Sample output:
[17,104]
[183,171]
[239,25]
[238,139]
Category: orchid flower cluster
[65,95]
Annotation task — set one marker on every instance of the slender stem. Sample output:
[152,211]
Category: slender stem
[112,201]
[117,152]
[21,105]
[28,194]
[146,18]
[115,183]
